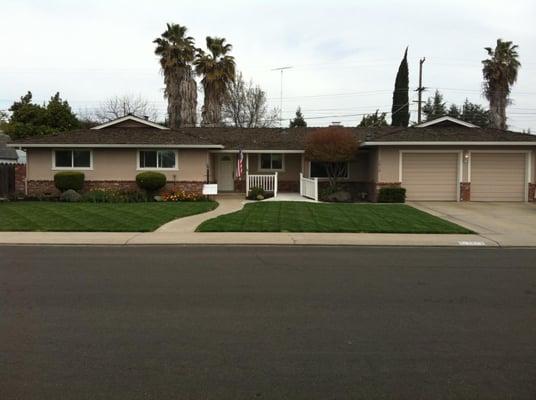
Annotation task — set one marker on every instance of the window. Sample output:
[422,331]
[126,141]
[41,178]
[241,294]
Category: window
[271,161]
[318,169]
[157,159]
[80,159]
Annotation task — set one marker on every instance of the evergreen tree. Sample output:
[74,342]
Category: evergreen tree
[29,119]
[373,120]
[60,117]
[454,111]
[475,114]
[435,107]
[400,108]
[298,121]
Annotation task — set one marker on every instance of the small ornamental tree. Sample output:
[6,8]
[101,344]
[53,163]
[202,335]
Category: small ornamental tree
[333,147]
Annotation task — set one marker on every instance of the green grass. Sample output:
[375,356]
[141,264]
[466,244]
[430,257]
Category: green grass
[94,217]
[314,217]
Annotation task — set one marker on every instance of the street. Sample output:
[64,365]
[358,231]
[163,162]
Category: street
[230,322]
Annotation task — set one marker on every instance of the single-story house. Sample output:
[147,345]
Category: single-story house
[8,155]
[446,160]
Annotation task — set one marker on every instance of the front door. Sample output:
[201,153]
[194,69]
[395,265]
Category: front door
[225,172]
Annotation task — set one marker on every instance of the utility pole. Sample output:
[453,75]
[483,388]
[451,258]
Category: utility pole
[420,89]
[281,94]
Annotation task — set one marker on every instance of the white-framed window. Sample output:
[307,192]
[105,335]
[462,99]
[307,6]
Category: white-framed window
[318,169]
[271,162]
[158,159]
[72,159]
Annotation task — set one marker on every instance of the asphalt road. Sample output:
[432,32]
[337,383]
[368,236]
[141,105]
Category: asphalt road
[267,323]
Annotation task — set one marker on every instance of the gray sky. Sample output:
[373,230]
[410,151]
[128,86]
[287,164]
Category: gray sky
[344,54]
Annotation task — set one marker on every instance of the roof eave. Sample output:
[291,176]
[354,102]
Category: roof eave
[450,143]
[116,146]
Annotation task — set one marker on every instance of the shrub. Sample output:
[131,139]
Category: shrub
[69,180]
[102,195]
[134,196]
[392,195]
[325,191]
[151,181]
[70,196]
[255,192]
[181,195]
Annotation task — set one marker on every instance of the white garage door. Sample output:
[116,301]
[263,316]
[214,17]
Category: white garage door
[430,176]
[498,176]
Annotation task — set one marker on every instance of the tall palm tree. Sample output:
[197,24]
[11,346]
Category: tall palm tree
[500,73]
[177,52]
[218,70]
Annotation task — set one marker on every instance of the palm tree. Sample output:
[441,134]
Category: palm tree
[500,73]
[177,52]
[218,70]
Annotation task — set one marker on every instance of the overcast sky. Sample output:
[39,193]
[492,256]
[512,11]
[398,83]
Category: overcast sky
[344,54]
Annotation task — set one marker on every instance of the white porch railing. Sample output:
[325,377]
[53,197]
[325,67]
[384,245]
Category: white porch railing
[267,182]
[309,187]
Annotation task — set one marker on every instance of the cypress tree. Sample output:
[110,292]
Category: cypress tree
[400,109]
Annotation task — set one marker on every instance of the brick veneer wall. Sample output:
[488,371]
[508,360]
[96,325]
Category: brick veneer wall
[465,191]
[47,188]
[20,179]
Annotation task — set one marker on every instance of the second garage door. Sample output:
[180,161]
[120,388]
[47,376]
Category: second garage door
[430,176]
[498,176]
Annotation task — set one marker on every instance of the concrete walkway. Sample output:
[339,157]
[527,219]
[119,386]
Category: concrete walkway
[226,204]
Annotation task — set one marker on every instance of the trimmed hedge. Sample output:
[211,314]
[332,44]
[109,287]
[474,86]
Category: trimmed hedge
[66,180]
[151,181]
[392,195]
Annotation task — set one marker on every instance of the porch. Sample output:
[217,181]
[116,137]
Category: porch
[274,172]
[283,172]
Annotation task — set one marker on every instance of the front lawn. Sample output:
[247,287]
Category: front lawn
[94,217]
[336,217]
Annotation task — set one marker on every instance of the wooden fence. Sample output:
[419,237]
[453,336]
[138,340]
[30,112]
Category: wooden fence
[7,180]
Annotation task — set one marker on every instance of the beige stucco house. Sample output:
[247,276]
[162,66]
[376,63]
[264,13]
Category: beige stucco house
[446,160]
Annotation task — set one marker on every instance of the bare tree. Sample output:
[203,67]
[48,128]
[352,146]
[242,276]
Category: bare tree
[245,106]
[119,106]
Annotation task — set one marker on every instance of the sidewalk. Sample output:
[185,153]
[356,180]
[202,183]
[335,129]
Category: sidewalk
[241,238]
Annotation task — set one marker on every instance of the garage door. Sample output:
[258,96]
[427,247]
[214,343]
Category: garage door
[498,176]
[430,176]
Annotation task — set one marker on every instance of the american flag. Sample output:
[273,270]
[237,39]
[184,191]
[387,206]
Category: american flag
[239,164]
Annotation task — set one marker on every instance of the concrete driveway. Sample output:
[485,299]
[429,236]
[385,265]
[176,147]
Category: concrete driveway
[507,224]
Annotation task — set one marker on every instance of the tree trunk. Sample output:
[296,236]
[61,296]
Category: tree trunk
[171,80]
[188,96]
[212,107]
[497,108]
[181,92]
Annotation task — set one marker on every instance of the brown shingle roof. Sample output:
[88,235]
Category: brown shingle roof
[453,134]
[267,138]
